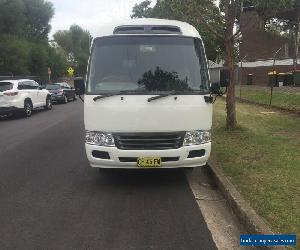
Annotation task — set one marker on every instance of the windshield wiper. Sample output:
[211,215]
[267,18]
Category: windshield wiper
[99,97]
[103,96]
[175,92]
[164,95]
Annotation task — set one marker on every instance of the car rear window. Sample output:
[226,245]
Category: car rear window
[5,86]
[53,86]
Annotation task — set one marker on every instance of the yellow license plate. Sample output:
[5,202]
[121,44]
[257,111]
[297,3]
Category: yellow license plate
[149,162]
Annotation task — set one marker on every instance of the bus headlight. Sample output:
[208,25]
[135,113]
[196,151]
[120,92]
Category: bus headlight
[99,138]
[197,137]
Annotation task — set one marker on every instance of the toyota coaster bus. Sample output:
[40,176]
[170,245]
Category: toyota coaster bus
[147,100]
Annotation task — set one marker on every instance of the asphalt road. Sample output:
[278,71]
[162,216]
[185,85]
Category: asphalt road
[51,199]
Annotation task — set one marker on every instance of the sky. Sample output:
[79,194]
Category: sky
[89,14]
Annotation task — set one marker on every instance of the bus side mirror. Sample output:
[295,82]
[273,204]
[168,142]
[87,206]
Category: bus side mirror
[215,88]
[224,78]
[79,86]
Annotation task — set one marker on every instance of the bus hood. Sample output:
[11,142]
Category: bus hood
[133,113]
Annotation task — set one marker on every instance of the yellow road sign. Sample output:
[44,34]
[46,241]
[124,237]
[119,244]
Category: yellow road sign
[70,71]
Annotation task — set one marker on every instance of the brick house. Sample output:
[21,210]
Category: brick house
[258,47]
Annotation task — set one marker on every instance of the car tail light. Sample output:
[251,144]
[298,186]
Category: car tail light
[14,93]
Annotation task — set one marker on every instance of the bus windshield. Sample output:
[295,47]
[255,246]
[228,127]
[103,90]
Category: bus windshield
[147,64]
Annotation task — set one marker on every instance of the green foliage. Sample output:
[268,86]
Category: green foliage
[26,18]
[38,15]
[38,63]
[142,10]
[82,60]
[269,8]
[14,55]
[63,39]
[24,28]
[19,56]
[76,43]
[57,61]
[12,17]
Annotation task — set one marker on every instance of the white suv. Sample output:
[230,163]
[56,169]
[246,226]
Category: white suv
[22,96]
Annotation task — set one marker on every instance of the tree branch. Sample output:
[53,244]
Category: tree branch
[201,19]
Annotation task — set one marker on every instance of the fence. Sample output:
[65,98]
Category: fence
[286,98]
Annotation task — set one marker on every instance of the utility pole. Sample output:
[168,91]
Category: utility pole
[273,80]
[49,75]
[241,74]
[296,34]
[296,42]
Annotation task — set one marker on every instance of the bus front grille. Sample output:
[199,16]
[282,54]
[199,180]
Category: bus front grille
[149,141]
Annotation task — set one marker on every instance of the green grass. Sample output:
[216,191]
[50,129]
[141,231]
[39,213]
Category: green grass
[262,159]
[289,100]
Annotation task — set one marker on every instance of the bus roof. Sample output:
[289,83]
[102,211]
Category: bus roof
[128,26]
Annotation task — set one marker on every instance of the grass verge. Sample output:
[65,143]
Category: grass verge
[289,100]
[262,159]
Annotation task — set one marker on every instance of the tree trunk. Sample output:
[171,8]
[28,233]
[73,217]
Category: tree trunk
[231,122]
[230,98]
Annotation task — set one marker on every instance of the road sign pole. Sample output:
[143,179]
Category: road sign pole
[49,75]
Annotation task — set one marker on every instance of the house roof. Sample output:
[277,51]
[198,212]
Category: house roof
[214,65]
[267,63]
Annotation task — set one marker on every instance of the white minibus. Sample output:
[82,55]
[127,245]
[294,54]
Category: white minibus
[147,96]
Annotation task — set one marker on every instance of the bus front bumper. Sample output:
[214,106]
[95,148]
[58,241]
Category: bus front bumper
[112,157]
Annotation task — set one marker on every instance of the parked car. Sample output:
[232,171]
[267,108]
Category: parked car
[23,96]
[61,92]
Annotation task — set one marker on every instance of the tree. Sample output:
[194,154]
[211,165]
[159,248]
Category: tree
[38,15]
[142,10]
[269,8]
[57,61]
[19,56]
[12,17]
[289,21]
[76,43]
[26,18]
[38,63]
[14,55]
[24,48]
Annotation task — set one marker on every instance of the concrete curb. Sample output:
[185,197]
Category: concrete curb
[252,222]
